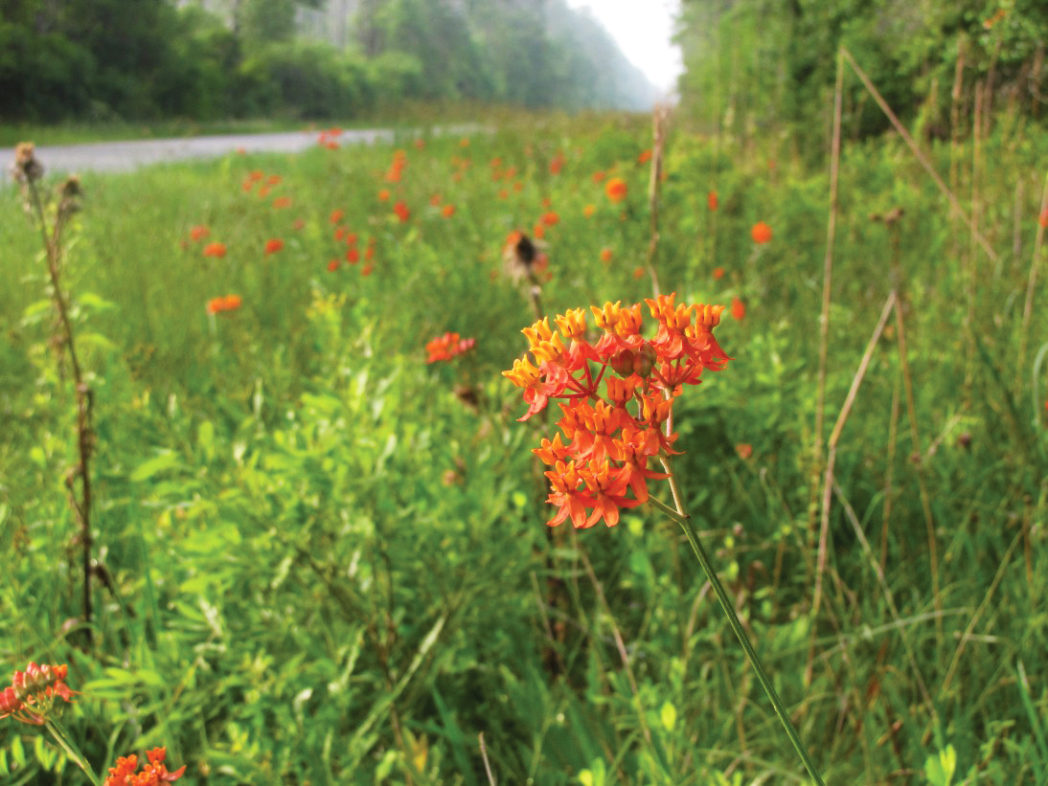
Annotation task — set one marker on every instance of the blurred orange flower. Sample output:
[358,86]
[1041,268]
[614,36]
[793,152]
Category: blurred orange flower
[336,216]
[711,200]
[402,211]
[333,265]
[1043,220]
[738,309]
[550,218]
[223,303]
[644,157]
[605,255]
[215,250]
[589,210]
[282,202]
[352,256]
[615,188]
[761,233]
[199,233]
[273,245]
[744,450]
[718,273]
[447,211]
[383,195]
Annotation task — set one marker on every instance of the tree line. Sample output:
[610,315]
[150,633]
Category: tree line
[103,60]
[757,65]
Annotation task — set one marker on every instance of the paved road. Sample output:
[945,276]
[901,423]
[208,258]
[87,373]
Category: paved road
[124,156]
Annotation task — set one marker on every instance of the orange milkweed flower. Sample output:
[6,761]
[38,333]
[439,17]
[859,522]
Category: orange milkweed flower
[539,230]
[263,192]
[351,238]
[556,164]
[383,195]
[718,273]
[274,180]
[644,157]
[638,272]
[615,189]
[605,255]
[503,193]
[366,270]
[447,211]
[598,177]
[402,211]
[198,233]
[154,772]
[550,218]
[281,202]
[30,696]
[448,346]
[273,245]
[744,450]
[589,210]
[298,224]
[711,201]
[738,309]
[761,233]
[518,186]
[223,303]
[256,175]
[332,265]
[336,216]
[464,142]
[435,200]
[352,256]
[215,250]
[616,394]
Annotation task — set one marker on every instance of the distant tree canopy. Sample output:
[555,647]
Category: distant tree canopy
[212,59]
[753,65]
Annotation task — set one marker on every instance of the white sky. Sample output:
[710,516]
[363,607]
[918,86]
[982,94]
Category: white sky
[642,29]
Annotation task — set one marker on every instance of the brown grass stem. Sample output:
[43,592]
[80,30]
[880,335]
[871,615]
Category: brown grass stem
[484,758]
[1031,284]
[918,153]
[81,506]
[660,118]
[831,459]
[967,635]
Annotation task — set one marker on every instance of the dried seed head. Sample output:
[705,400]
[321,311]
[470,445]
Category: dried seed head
[26,168]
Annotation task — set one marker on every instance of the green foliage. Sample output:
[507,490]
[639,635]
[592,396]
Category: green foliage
[327,560]
[111,59]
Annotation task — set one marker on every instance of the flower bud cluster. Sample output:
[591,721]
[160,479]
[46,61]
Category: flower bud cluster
[448,346]
[617,396]
[153,773]
[30,696]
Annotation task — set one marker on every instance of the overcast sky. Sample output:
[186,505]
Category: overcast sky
[642,29]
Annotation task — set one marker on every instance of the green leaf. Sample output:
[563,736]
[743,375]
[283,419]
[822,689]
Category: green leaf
[154,466]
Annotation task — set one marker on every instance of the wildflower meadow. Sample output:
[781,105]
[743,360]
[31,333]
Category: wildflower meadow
[557,452]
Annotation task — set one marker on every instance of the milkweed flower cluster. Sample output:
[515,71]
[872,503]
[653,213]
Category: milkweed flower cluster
[30,696]
[617,398]
[154,772]
[448,346]
[224,303]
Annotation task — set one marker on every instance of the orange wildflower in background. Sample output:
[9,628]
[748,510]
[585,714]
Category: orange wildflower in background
[215,250]
[282,202]
[711,201]
[447,211]
[448,346]
[1043,220]
[503,194]
[383,195]
[556,164]
[223,303]
[644,157]
[154,773]
[605,255]
[273,245]
[615,395]
[589,210]
[615,188]
[761,233]
[352,256]
[718,273]
[198,233]
[738,309]
[744,450]
[30,696]
[298,224]
[332,266]
[402,211]
[598,177]
[274,180]
[336,216]
[550,218]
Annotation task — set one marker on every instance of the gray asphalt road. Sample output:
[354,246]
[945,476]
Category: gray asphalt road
[124,156]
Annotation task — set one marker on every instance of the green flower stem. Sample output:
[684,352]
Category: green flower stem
[728,608]
[71,750]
